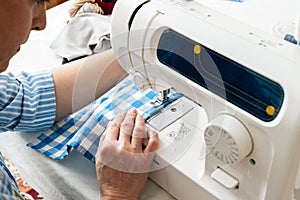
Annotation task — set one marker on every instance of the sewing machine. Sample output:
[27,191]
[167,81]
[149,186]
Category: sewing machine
[235,132]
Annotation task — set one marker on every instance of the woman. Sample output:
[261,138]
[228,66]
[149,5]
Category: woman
[36,101]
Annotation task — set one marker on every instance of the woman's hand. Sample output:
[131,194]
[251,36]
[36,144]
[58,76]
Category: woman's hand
[121,161]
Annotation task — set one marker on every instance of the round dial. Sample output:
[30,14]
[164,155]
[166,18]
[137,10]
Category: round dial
[227,139]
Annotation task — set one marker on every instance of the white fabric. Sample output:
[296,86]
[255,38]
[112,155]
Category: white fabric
[85,34]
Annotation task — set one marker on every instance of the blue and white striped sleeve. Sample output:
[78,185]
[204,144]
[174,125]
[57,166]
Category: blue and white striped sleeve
[27,101]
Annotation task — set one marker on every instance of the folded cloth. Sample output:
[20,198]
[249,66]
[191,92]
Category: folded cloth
[83,129]
[84,35]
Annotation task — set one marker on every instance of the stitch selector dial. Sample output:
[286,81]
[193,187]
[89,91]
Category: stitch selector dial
[227,139]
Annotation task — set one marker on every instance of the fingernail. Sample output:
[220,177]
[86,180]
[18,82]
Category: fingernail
[151,133]
[110,123]
[140,116]
[121,114]
[133,110]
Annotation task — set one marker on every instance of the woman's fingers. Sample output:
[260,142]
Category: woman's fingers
[106,151]
[119,118]
[112,131]
[139,134]
[153,142]
[127,126]
[128,129]
[121,145]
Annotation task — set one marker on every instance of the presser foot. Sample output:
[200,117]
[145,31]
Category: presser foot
[162,97]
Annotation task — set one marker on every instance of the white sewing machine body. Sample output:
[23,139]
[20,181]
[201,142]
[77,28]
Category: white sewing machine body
[235,133]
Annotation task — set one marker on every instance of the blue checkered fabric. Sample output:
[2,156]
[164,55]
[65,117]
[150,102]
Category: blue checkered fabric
[83,129]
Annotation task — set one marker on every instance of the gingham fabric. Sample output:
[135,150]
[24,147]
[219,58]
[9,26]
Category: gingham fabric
[82,130]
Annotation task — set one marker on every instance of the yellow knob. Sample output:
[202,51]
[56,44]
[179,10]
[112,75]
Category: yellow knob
[197,49]
[270,110]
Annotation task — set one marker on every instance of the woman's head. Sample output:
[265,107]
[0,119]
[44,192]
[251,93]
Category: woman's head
[17,19]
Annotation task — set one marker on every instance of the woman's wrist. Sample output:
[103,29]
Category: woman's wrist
[117,197]
[108,193]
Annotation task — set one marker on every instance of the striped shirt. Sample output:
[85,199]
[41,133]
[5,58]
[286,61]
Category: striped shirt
[27,103]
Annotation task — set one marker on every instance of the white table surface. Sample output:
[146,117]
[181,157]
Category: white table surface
[74,177]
